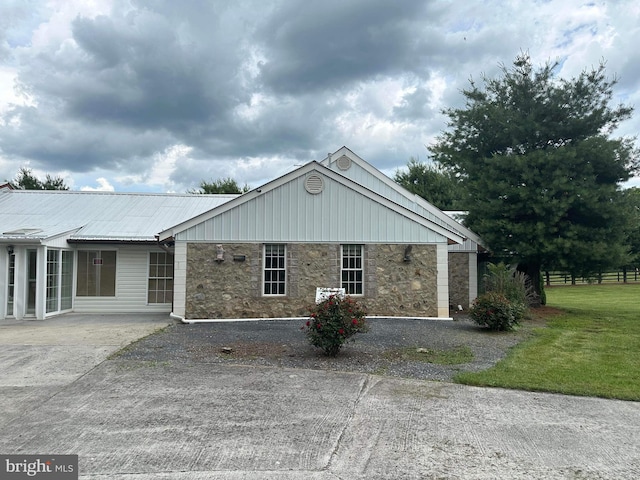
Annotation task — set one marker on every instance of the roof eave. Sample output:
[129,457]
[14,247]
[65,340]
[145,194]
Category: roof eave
[112,241]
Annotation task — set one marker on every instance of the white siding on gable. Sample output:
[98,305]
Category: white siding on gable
[389,189]
[132,268]
[289,213]
[359,175]
[467,246]
[58,242]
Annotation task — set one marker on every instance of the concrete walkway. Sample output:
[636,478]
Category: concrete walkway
[137,420]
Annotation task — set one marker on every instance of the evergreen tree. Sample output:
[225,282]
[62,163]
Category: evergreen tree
[541,172]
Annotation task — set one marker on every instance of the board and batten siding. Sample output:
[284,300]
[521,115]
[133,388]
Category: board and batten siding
[408,200]
[132,270]
[289,214]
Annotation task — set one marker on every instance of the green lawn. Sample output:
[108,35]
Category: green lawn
[592,348]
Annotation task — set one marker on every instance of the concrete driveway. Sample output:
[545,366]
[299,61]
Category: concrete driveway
[141,420]
[38,359]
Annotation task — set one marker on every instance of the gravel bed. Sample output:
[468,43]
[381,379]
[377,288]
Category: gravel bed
[282,343]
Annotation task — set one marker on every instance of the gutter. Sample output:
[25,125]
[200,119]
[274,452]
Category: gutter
[231,320]
[110,241]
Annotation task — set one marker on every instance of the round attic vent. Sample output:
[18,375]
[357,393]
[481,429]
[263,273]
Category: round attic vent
[314,184]
[344,163]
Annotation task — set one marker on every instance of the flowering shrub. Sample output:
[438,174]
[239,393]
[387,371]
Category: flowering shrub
[333,321]
[493,310]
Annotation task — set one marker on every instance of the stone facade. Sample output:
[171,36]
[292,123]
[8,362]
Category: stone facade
[458,280]
[233,288]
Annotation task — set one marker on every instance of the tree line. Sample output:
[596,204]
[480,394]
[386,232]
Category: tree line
[25,179]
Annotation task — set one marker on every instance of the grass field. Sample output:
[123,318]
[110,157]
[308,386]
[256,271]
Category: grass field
[591,348]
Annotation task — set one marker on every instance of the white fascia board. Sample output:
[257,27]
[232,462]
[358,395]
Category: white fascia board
[22,240]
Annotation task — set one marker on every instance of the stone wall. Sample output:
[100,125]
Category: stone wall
[233,288]
[458,280]
[400,288]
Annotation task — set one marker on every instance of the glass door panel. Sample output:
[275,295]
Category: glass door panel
[11,283]
[32,262]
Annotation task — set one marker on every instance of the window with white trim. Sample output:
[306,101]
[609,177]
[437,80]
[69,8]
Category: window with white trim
[160,289]
[275,270]
[352,272]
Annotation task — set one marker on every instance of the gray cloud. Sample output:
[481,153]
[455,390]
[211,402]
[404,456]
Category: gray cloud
[251,88]
[312,45]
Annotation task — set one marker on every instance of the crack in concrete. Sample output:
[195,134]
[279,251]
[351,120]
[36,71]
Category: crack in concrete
[366,385]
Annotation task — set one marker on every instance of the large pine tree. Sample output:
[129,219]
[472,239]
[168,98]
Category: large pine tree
[540,170]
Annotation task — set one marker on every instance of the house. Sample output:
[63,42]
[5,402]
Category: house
[93,252]
[334,223]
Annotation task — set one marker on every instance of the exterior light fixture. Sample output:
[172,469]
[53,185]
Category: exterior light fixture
[407,254]
[219,254]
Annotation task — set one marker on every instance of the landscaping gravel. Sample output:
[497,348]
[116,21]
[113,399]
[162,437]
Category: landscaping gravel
[389,348]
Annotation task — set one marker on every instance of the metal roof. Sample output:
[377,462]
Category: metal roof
[42,214]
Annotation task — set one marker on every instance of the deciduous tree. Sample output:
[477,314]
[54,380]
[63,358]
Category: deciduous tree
[222,185]
[26,180]
[432,182]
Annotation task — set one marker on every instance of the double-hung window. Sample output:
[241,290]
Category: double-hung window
[275,270]
[352,272]
[160,287]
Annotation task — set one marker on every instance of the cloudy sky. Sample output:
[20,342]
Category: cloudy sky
[157,95]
